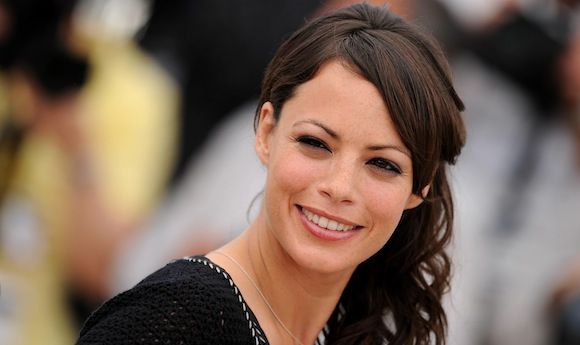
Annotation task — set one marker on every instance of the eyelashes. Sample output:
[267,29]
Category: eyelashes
[379,163]
[313,142]
[384,164]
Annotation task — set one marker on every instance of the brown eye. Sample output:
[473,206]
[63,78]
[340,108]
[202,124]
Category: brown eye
[385,165]
[313,142]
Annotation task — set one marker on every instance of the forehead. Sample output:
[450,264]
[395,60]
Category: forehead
[337,92]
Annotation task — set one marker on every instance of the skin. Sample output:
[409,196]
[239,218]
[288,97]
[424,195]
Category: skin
[336,152]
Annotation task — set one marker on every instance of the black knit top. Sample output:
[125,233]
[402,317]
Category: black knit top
[189,301]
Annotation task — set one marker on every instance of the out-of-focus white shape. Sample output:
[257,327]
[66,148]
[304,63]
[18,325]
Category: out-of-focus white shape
[10,327]
[472,13]
[212,201]
[524,265]
[111,18]
[22,239]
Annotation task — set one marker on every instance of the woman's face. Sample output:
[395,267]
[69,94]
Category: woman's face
[339,176]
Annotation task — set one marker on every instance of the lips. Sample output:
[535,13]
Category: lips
[325,226]
[327,223]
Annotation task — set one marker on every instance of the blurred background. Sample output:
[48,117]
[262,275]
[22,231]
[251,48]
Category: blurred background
[126,141]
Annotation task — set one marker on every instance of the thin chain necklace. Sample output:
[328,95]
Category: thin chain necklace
[261,295]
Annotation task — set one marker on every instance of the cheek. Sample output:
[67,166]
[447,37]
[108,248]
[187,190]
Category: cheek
[289,175]
[291,172]
[386,205]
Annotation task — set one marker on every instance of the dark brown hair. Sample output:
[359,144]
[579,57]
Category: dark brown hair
[394,296]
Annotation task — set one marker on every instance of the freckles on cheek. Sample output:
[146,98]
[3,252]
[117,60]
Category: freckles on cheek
[385,205]
[294,173]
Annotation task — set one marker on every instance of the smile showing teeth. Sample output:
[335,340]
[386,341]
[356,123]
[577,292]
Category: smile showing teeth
[326,223]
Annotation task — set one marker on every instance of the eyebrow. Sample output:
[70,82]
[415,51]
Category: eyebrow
[330,132]
[391,147]
[335,135]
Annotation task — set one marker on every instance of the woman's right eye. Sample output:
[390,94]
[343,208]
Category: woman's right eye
[313,142]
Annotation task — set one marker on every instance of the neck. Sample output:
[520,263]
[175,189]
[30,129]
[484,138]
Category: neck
[302,299]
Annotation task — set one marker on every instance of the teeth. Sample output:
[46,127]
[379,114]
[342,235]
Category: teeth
[332,225]
[326,223]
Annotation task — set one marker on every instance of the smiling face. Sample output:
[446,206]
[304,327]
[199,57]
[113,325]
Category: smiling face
[339,176]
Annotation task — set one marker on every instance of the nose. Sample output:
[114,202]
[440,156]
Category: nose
[338,184]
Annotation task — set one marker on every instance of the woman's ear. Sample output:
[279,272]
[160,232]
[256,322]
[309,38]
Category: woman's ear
[416,200]
[264,132]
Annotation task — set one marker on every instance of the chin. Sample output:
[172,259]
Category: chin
[323,261]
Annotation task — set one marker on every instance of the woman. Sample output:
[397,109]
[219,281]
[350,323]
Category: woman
[356,125]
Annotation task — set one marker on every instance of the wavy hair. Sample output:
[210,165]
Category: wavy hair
[394,296]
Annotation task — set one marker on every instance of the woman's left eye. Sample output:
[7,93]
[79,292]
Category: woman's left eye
[384,164]
[313,142]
